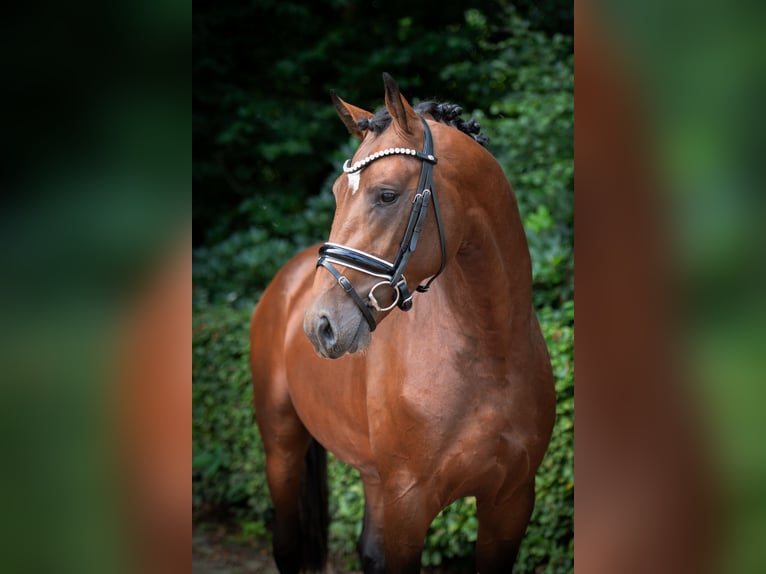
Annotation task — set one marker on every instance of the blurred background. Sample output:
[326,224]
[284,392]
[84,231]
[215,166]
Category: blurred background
[267,147]
[670,289]
[95,238]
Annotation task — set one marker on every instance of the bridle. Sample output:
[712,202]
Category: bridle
[391,274]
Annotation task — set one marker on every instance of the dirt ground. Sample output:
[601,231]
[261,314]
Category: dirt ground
[214,551]
[210,557]
[218,549]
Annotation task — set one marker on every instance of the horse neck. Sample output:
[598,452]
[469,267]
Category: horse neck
[490,284]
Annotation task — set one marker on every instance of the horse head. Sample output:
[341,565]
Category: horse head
[389,236]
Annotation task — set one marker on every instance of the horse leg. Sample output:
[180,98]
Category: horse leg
[284,468]
[408,511]
[289,448]
[501,529]
[370,544]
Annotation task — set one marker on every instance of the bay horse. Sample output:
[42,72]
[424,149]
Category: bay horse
[453,397]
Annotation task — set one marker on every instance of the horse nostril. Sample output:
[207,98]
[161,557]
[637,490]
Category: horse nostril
[325,332]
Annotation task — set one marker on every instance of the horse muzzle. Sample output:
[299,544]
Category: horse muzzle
[335,330]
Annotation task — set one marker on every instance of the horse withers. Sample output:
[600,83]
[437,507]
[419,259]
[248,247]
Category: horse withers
[452,395]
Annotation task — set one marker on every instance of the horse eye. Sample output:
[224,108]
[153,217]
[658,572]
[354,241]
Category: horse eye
[387,197]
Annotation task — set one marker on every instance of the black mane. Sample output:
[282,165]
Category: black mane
[440,111]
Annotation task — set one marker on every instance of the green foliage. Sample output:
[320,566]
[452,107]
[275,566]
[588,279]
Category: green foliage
[548,546]
[452,533]
[346,509]
[236,270]
[227,453]
[250,531]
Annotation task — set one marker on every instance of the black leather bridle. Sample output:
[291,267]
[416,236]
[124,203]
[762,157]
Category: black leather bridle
[391,274]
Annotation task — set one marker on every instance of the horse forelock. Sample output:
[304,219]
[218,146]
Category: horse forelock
[442,112]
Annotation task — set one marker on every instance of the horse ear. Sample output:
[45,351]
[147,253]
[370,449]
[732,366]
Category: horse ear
[350,115]
[398,107]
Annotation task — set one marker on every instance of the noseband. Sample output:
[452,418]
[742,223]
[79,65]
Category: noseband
[391,274]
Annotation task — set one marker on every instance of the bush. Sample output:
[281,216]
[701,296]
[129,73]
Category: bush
[236,270]
[548,546]
[227,453]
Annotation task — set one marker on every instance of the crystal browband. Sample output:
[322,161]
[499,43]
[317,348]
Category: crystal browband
[390,151]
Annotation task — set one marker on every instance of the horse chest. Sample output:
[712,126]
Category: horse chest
[418,410]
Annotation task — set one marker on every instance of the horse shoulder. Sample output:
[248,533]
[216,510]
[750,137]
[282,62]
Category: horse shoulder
[269,330]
